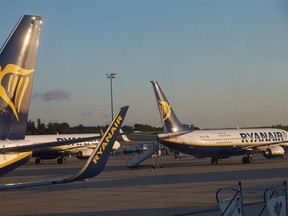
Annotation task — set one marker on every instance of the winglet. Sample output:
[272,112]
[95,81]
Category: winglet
[124,137]
[97,160]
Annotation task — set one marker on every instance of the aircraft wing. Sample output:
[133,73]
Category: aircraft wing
[95,163]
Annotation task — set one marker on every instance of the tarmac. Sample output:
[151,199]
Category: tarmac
[185,186]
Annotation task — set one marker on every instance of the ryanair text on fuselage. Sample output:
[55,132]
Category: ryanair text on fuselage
[263,136]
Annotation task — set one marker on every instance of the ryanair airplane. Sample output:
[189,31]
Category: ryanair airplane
[217,144]
[82,150]
[17,68]
[95,163]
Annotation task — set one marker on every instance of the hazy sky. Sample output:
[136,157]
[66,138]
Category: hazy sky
[220,63]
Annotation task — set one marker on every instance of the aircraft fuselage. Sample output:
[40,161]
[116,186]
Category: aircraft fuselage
[224,143]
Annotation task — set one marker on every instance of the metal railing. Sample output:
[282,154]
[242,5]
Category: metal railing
[274,197]
[230,200]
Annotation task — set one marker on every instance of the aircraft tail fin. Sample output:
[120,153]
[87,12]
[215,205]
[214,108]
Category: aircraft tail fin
[171,124]
[17,66]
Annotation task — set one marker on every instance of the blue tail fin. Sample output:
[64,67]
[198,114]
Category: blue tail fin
[17,67]
[171,124]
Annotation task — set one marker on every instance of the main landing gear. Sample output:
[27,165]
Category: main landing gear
[38,161]
[61,160]
[247,159]
[214,160]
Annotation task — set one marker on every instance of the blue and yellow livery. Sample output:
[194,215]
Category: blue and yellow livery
[95,163]
[17,69]
[217,144]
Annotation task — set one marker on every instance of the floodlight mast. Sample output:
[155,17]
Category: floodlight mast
[111,76]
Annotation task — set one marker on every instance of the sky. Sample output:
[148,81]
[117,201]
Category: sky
[221,63]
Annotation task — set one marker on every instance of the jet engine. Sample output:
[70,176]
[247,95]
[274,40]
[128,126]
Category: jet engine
[274,152]
[84,153]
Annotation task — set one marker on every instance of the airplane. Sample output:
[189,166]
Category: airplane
[17,68]
[95,163]
[82,150]
[217,144]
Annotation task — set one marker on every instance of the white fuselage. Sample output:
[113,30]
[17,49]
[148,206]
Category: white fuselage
[38,139]
[62,137]
[205,143]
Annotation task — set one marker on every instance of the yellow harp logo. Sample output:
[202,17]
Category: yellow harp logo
[165,109]
[18,81]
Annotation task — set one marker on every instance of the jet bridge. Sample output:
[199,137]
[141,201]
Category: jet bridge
[151,149]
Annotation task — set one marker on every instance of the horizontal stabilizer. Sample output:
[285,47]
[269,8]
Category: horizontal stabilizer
[167,135]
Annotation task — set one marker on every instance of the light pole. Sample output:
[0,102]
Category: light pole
[111,76]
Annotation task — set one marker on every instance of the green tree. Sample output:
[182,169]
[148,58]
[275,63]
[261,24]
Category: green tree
[41,128]
[31,128]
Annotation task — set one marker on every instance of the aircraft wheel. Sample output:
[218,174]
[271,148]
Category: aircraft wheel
[214,160]
[37,161]
[244,160]
[247,160]
[79,155]
[60,160]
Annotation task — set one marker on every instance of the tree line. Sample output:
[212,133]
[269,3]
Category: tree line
[39,128]
[64,128]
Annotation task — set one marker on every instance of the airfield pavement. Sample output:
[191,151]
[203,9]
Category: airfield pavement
[182,187]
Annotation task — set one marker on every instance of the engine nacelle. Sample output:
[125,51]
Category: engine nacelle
[84,153]
[116,145]
[273,152]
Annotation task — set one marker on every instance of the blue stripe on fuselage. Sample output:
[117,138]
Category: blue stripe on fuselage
[204,151]
[48,154]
